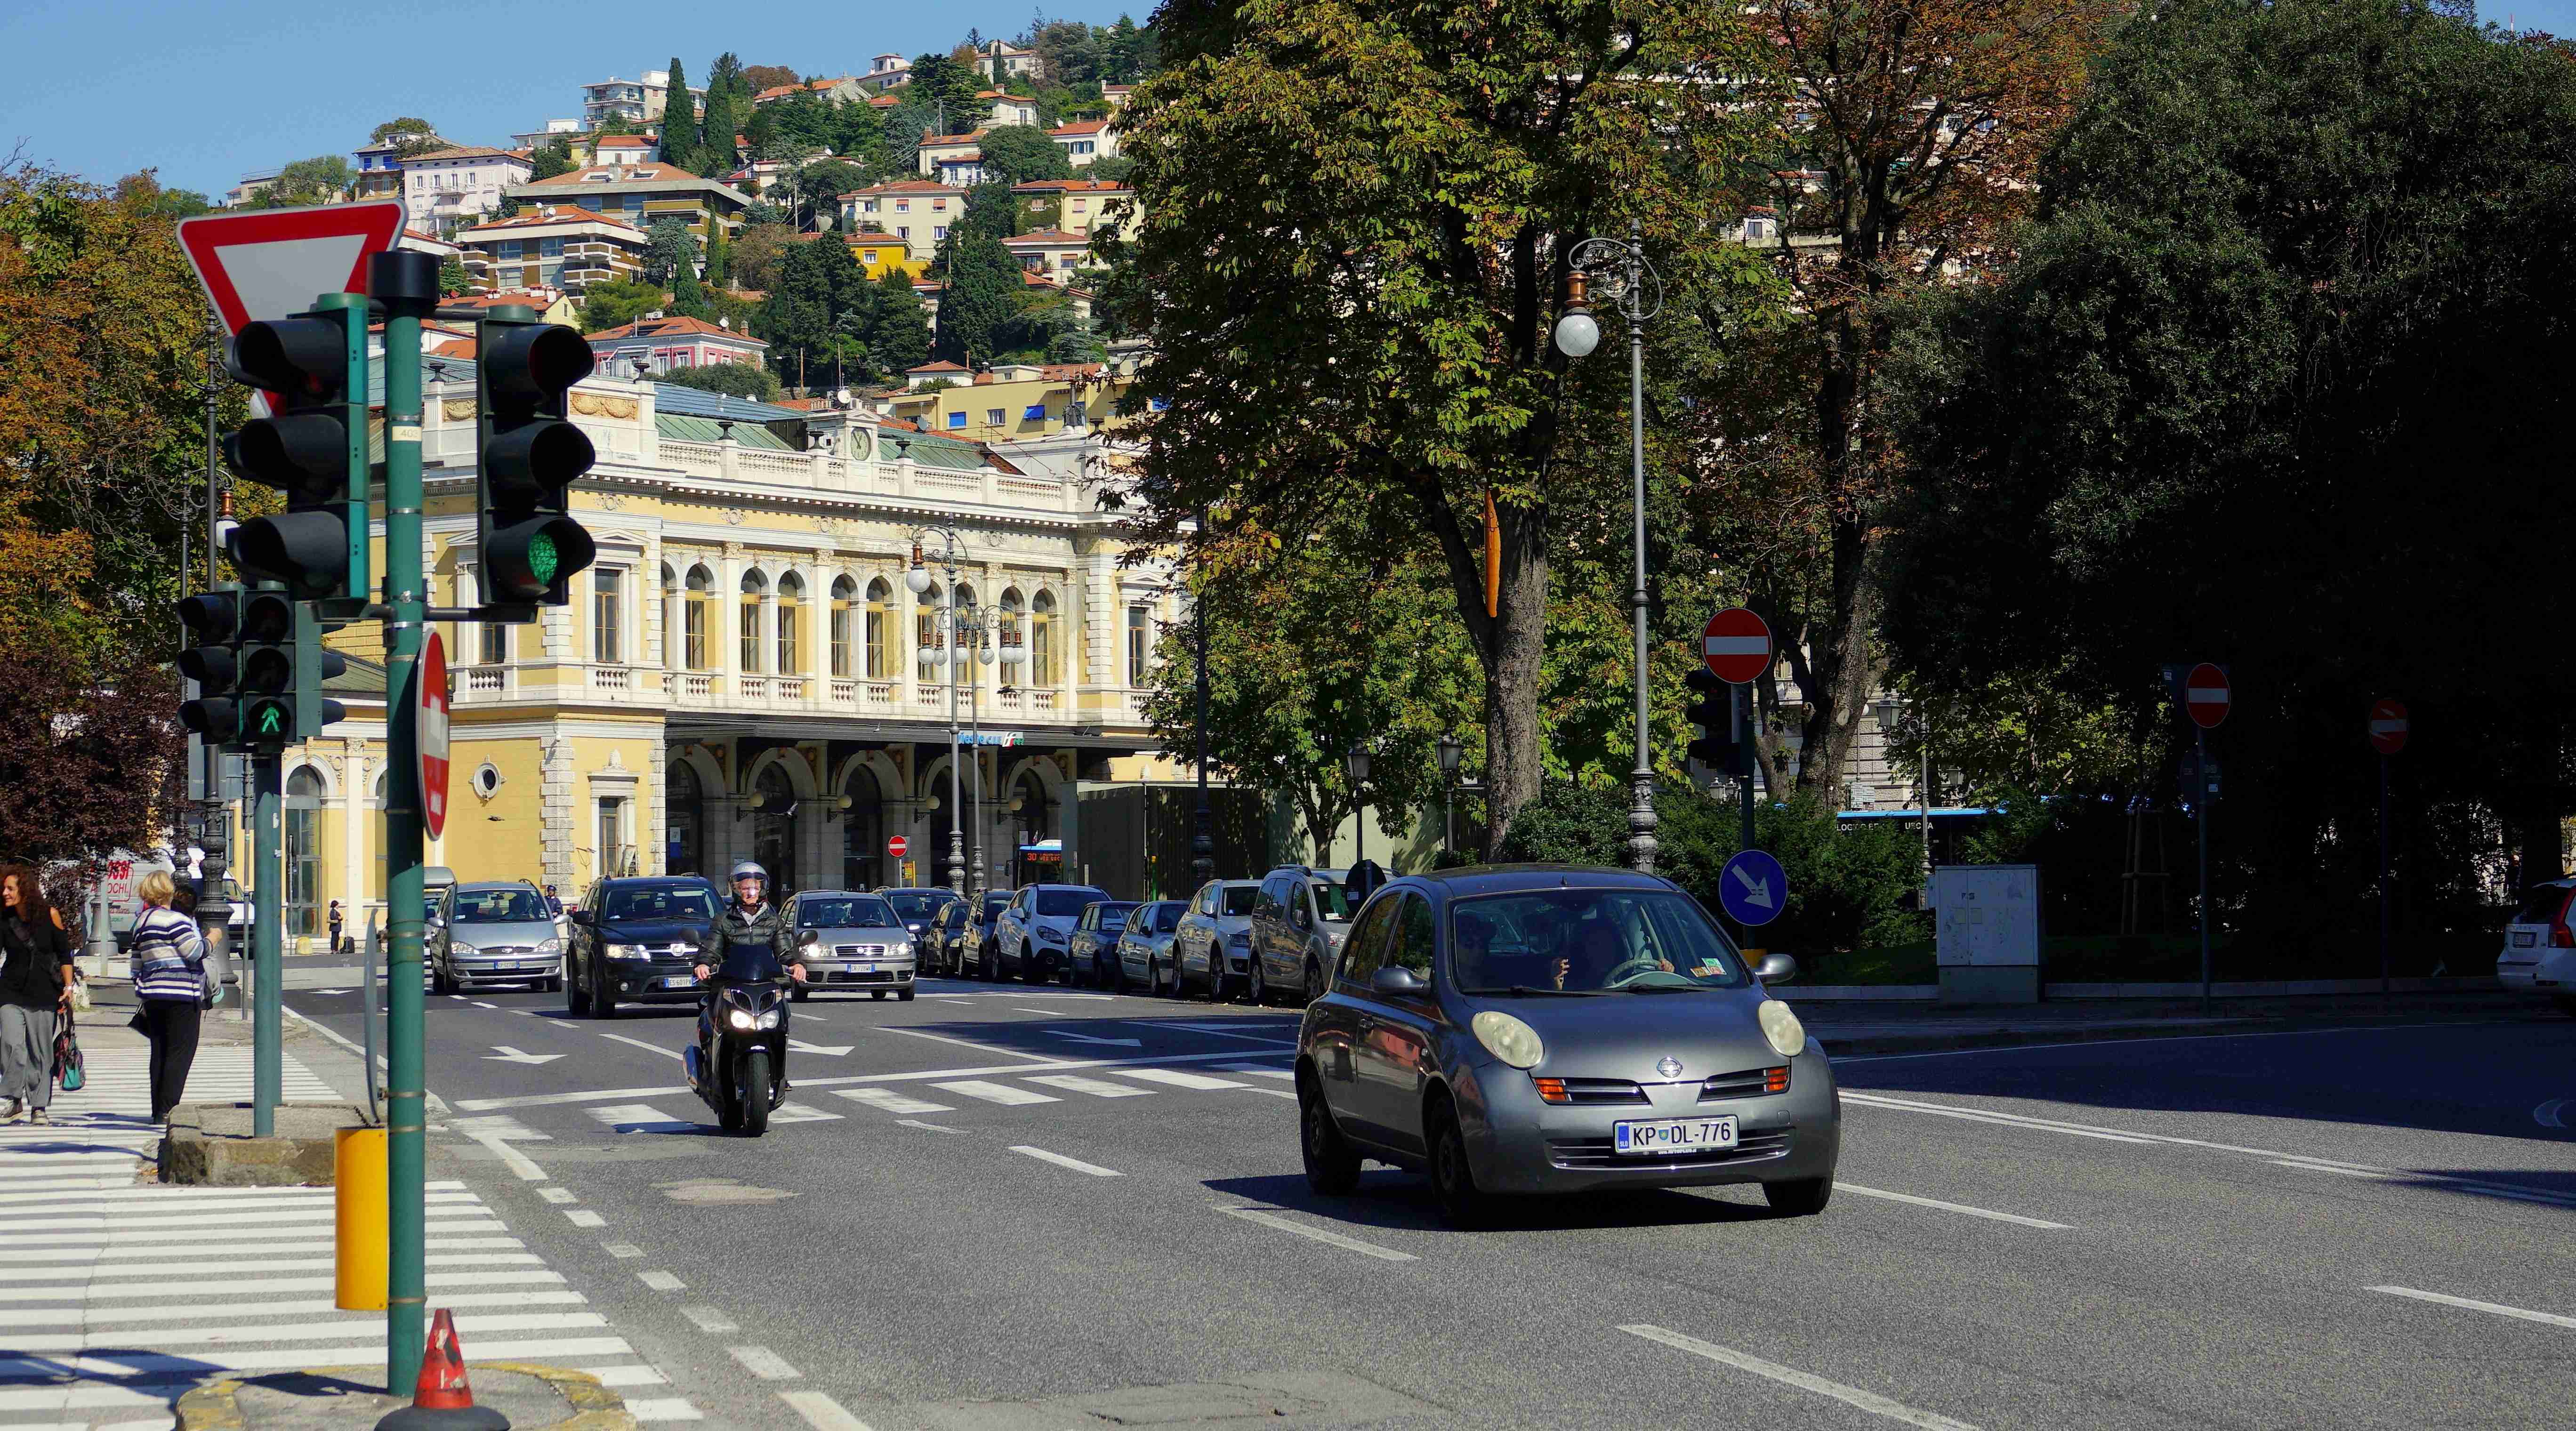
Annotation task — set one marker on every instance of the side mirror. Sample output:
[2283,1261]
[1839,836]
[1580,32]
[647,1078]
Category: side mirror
[1776,969]
[807,939]
[1396,979]
[1302,918]
[583,917]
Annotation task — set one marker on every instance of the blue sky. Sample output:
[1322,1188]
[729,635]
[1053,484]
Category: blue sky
[207,89]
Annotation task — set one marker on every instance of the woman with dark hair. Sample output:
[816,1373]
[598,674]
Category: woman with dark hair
[35,995]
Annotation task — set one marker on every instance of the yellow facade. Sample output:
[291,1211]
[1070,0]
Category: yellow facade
[1000,410]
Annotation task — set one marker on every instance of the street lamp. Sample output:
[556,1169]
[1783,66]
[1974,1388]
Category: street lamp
[1356,764]
[917,578]
[1891,708]
[1451,748]
[1631,283]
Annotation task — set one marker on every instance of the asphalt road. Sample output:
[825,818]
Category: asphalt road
[1025,1207]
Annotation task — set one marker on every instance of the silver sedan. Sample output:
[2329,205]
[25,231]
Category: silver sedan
[1559,1029]
[860,944]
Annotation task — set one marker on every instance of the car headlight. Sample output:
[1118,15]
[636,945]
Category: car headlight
[627,951]
[1781,1027]
[1239,939]
[550,946]
[903,950]
[1508,1039]
[456,947]
[741,1018]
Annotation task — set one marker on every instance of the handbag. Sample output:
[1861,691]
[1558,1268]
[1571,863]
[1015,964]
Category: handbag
[70,1069]
[80,993]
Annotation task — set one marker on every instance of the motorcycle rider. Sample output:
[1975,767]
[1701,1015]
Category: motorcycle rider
[750,919]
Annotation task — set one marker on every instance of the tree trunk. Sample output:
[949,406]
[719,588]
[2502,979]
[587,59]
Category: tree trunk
[1840,670]
[1516,639]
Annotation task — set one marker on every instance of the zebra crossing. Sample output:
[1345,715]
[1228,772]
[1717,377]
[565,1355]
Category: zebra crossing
[912,1100]
[117,1296]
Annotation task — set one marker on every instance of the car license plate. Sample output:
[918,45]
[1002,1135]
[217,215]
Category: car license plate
[1675,1135]
[676,981]
[2524,939]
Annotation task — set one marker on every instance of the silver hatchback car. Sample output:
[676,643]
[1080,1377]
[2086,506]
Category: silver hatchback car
[861,944]
[494,932]
[1559,1029]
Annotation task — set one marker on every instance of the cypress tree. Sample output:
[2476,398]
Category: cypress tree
[983,281]
[680,122]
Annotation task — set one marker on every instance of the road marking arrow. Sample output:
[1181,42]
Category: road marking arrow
[508,1054]
[1112,1042]
[1757,892]
[835,1051]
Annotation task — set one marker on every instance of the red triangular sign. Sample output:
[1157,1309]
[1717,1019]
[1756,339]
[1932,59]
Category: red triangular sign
[272,263]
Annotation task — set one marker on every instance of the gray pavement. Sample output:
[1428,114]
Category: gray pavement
[1004,1213]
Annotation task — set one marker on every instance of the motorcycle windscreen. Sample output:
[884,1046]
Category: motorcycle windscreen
[749,964]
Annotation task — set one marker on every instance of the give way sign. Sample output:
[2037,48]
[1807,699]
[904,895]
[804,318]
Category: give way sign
[271,263]
[429,732]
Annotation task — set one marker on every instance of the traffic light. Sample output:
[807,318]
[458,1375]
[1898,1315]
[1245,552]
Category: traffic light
[212,660]
[312,447]
[1713,711]
[529,455]
[314,664]
[265,668]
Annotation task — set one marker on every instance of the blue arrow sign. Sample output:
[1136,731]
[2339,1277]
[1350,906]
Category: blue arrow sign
[1753,888]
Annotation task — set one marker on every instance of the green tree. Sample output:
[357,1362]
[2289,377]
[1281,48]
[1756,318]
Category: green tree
[452,277]
[755,256]
[944,92]
[760,77]
[408,136]
[719,256]
[816,189]
[688,299]
[818,313]
[551,159]
[618,302]
[1017,154]
[981,296]
[742,380]
[680,123]
[900,339]
[323,179]
[669,251]
[1363,211]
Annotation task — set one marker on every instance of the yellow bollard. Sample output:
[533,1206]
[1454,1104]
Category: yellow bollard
[359,1195]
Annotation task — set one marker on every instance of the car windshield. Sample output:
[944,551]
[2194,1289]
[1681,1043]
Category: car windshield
[1331,900]
[661,901]
[1237,899]
[1114,916]
[1589,941]
[501,906]
[859,911]
[1066,903]
[914,908]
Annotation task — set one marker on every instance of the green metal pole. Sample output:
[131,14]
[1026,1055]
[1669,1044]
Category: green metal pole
[268,909]
[396,284]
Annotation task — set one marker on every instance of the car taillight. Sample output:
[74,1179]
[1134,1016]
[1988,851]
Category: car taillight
[1552,1090]
[2560,936]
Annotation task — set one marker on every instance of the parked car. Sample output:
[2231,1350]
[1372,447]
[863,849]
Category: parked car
[637,939]
[1093,957]
[494,932]
[946,936]
[1213,947]
[2539,951]
[919,911]
[1559,1029]
[1145,947]
[1299,918]
[863,944]
[1033,935]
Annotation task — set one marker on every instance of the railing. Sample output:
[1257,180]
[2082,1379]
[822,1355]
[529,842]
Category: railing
[844,693]
[880,693]
[1042,699]
[752,688]
[609,678]
[697,687]
[788,688]
[484,680]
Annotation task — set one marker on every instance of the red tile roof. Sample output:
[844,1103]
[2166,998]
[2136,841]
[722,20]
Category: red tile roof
[1045,238]
[943,140]
[1081,126]
[622,141]
[464,152]
[942,366]
[520,296]
[553,214]
[1072,186]
[672,327]
[647,173]
[884,101]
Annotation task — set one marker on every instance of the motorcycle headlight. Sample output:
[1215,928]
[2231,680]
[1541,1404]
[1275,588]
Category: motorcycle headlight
[1780,1026]
[742,1018]
[1508,1039]
[627,951]
[550,946]
[769,1020]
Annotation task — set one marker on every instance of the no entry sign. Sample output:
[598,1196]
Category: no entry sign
[429,711]
[2206,696]
[896,846]
[2387,726]
[1736,645]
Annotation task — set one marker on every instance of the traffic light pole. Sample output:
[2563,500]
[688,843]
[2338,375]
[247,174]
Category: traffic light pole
[268,888]
[405,284]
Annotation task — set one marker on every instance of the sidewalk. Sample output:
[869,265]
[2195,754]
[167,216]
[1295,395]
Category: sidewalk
[1861,1028]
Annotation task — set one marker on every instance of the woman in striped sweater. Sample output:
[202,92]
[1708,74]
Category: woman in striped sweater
[170,983]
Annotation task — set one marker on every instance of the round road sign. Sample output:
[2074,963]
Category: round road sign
[429,715]
[1736,645]
[896,845]
[1753,888]
[2205,695]
[2388,726]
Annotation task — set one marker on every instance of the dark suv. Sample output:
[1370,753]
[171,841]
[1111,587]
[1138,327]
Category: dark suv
[636,940]
[1298,922]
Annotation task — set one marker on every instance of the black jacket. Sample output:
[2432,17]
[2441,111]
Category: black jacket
[766,925]
[36,954]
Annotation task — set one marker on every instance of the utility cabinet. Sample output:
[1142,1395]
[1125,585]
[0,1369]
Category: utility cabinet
[1988,933]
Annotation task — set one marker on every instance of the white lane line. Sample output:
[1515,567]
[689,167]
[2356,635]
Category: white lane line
[2498,1308]
[1041,1013]
[623,1251]
[930,1127]
[2431,1180]
[995,1092]
[584,1217]
[2008,1120]
[1869,1401]
[1268,1218]
[664,1408]
[2547,1115]
[640,1118]
[821,1412]
[626,1375]
[1959,1207]
[799,1113]
[639,1043]
[661,1281]
[511,1158]
[563,1023]
[1061,1161]
[886,1100]
[711,1320]
[982,1048]
[1096,1087]
[1175,1078]
[478,1003]
[558,1195]
[765,1364]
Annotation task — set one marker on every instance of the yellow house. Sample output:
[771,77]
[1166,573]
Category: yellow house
[879,252]
[1011,402]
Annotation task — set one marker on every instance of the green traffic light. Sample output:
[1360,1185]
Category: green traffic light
[272,721]
[542,559]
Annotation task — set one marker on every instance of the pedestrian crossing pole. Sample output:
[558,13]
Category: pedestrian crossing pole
[404,285]
[268,919]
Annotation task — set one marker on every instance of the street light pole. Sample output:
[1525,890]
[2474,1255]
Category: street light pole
[1450,750]
[1626,275]
[1203,830]
[918,580]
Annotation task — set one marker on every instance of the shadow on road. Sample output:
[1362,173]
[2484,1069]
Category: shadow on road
[1401,1201]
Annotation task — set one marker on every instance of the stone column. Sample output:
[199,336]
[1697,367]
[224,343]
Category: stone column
[555,803]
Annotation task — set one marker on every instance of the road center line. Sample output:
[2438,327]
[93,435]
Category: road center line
[1061,1161]
[1960,1207]
[1869,1401]
[2498,1308]
[1268,1218]
[765,1364]
[821,1412]
[2008,1120]
[1215,1033]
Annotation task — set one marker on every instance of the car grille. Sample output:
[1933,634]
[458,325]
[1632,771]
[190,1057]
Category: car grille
[505,951]
[1754,1145]
[1744,1083]
[843,976]
[1582,1092]
[859,951]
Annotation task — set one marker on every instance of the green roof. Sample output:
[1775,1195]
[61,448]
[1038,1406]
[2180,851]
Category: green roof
[931,450]
[683,427]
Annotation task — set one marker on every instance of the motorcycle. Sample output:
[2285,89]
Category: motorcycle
[739,1063]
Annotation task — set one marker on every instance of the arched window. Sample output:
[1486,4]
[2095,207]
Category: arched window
[879,631]
[701,581]
[305,792]
[926,635]
[791,624]
[755,594]
[773,839]
[842,590]
[670,617]
[1014,626]
[1042,640]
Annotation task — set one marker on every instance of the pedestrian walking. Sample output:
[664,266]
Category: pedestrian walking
[337,920]
[35,995]
[170,983]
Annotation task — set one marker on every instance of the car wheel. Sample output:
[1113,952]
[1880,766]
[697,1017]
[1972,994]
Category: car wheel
[1154,981]
[1332,1169]
[1804,1197]
[440,981]
[903,996]
[1453,1178]
[603,998]
[1260,986]
[992,962]
[1314,980]
[576,994]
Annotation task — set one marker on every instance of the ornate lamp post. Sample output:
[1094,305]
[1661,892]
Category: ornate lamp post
[918,580]
[1632,284]
[1451,749]
[1356,765]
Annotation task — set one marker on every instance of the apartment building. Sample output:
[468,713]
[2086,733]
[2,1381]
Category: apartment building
[557,246]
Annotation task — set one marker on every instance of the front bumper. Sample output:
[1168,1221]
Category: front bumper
[1518,1144]
[859,973]
[2546,971]
[478,973]
[642,982]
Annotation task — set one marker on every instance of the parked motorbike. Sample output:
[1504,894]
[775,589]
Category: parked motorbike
[739,1063]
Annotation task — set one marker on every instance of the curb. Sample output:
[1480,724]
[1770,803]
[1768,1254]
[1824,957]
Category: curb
[215,1407]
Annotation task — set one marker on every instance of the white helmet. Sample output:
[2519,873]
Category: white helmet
[748,869]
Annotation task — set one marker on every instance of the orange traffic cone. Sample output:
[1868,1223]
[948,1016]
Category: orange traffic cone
[441,1400]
